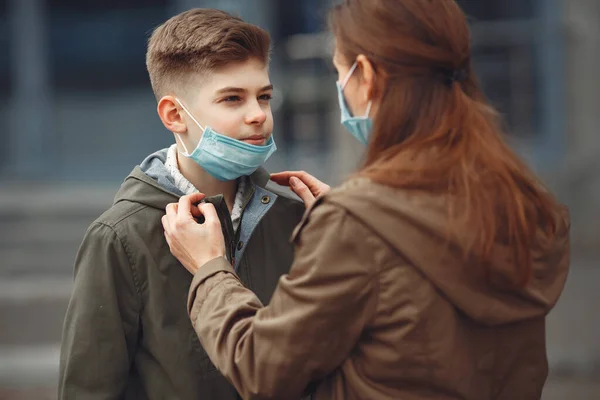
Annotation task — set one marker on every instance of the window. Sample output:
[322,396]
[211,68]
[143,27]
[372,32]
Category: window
[491,10]
[4,81]
[101,45]
[504,55]
[4,48]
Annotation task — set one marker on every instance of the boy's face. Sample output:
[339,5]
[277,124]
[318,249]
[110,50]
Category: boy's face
[234,101]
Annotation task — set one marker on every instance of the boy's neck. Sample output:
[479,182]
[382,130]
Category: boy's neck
[205,183]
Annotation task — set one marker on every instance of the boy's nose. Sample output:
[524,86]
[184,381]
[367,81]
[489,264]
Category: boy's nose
[256,115]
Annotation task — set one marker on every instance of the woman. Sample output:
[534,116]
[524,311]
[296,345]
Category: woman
[427,275]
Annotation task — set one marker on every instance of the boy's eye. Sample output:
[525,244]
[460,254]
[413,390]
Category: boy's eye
[266,97]
[232,98]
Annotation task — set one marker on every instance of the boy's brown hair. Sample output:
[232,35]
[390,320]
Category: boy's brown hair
[199,41]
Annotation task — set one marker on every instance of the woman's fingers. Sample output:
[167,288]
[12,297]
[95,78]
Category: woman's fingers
[302,191]
[316,186]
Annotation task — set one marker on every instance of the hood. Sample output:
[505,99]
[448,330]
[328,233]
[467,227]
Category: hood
[414,224]
[151,184]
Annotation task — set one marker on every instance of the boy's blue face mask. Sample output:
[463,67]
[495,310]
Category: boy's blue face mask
[359,127]
[226,158]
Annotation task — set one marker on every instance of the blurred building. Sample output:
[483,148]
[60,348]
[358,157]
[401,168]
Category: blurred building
[78,91]
[77,113]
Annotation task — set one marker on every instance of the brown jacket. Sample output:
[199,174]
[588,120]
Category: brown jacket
[377,306]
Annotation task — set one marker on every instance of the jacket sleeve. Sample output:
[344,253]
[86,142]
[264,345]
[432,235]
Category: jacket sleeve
[102,321]
[313,321]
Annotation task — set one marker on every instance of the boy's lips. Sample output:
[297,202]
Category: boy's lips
[256,140]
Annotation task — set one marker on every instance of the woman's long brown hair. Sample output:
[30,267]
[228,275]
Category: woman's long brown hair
[438,134]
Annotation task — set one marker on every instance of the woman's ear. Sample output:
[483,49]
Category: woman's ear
[367,76]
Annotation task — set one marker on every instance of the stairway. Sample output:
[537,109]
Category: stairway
[41,227]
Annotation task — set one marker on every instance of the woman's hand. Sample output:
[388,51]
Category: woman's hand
[306,186]
[193,244]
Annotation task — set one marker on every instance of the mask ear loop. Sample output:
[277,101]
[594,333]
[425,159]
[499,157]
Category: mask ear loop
[349,75]
[368,108]
[193,119]
[178,138]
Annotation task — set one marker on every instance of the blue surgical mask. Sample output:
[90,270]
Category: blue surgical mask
[226,158]
[359,127]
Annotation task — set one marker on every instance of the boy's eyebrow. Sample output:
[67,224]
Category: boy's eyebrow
[231,89]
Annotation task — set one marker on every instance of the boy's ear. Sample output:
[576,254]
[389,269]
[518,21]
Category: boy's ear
[170,114]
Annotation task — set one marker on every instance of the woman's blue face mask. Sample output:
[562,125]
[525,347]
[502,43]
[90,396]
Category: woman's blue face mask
[359,127]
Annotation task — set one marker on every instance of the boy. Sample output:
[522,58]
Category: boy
[127,333]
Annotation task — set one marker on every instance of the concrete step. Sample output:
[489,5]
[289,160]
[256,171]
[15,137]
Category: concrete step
[41,226]
[41,245]
[32,310]
[29,366]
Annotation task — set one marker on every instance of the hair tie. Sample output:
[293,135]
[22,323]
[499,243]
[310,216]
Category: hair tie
[456,75]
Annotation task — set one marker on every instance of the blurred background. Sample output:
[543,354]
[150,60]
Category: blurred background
[77,114]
